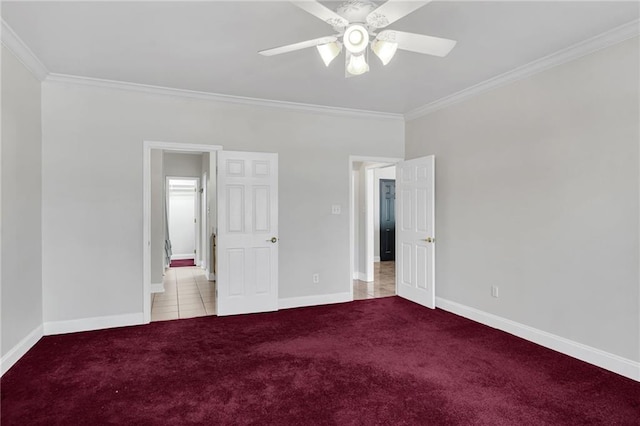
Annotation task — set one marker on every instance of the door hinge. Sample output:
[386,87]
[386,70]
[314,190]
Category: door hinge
[194,220]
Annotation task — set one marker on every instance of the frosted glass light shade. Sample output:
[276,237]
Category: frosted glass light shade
[357,65]
[329,51]
[385,50]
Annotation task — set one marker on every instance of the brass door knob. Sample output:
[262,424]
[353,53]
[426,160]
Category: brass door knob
[430,240]
[273,240]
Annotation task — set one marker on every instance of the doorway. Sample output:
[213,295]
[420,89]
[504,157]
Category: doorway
[242,200]
[182,286]
[373,227]
[159,280]
[183,221]
[415,231]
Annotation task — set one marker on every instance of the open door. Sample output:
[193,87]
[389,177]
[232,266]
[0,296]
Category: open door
[247,242]
[415,239]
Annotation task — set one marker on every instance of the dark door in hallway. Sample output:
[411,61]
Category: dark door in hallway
[387,219]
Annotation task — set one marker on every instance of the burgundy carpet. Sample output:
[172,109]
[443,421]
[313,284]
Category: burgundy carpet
[179,263]
[382,361]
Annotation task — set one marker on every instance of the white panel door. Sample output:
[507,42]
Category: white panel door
[247,244]
[415,239]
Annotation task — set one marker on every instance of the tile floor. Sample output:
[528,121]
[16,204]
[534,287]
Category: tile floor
[187,294]
[384,284]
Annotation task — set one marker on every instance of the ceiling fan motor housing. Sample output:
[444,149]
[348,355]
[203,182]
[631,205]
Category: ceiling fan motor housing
[356,38]
[356,10]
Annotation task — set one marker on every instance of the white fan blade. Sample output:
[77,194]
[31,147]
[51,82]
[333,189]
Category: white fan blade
[297,46]
[419,43]
[322,12]
[393,10]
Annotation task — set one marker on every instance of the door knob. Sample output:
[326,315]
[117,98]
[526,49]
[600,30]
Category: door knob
[273,240]
[430,240]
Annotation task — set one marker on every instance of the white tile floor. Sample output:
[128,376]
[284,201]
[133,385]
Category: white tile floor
[384,284]
[187,294]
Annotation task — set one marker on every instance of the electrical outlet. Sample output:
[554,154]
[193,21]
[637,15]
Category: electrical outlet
[316,278]
[494,291]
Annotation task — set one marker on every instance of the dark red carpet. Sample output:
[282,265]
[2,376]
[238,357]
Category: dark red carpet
[382,361]
[179,263]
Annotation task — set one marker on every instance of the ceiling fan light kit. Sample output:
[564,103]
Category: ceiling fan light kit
[356,23]
[385,50]
[356,64]
[329,51]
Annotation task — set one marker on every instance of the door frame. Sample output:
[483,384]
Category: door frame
[197,210]
[369,238]
[147,146]
[204,219]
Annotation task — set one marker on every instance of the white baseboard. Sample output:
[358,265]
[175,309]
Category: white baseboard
[321,299]
[183,257]
[212,277]
[157,288]
[355,275]
[96,323]
[363,277]
[18,351]
[606,360]
[376,259]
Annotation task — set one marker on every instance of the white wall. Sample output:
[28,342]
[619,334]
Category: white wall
[361,221]
[21,190]
[92,174]
[182,165]
[157,216]
[204,210]
[379,173]
[355,208]
[537,192]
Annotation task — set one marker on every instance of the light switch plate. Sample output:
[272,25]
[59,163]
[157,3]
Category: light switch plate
[335,209]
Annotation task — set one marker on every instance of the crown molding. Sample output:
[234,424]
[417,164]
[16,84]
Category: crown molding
[601,41]
[21,51]
[216,97]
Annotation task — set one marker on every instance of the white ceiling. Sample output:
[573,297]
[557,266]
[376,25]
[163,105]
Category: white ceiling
[211,46]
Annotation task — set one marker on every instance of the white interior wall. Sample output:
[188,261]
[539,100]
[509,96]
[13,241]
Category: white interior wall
[537,192]
[157,216]
[92,131]
[21,191]
[379,173]
[355,211]
[361,214]
[182,165]
[204,216]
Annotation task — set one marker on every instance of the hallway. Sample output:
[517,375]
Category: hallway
[187,294]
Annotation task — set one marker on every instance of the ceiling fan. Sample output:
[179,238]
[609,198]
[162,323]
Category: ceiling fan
[357,24]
